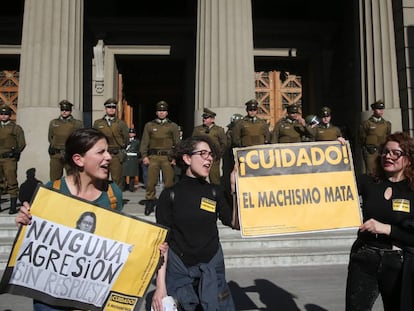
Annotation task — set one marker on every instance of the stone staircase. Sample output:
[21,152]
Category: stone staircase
[322,248]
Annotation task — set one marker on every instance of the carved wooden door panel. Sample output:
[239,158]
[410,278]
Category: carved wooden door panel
[9,90]
[274,91]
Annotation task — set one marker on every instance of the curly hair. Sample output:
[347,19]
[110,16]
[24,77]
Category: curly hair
[406,143]
[188,145]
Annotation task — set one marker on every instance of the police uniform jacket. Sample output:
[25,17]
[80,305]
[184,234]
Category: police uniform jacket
[250,132]
[131,165]
[116,132]
[374,131]
[215,132]
[288,131]
[324,132]
[12,139]
[60,129]
[159,137]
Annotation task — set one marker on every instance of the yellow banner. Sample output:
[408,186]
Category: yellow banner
[83,256]
[291,188]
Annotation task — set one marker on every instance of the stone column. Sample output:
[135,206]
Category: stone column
[378,60]
[50,70]
[225,62]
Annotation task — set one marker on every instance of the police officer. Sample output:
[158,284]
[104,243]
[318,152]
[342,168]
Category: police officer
[325,130]
[116,131]
[372,134]
[217,135]
[158,140]
[130,167]
[251,130]
[12,143]
[59,130]
[290,128]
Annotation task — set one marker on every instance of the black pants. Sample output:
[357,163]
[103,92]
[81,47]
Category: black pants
[372,272]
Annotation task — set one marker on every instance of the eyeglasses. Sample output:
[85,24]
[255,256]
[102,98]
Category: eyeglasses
[65,109]
[203,153]
[395,154]
[252,109]
[110,107]
[4,114]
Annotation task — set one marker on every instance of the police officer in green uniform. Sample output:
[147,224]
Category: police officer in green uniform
[116,131]
[251,130]
[12,143]
[372,134]
[217,135]
[325,130]
[158,140]
[59,130]
[290,128]
[130,167]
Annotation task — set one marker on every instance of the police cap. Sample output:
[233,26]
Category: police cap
[325,111]
[132,130]
[65,105]
[161,106]
[207,113]
[292,108]
[379,104]
[5,109]
[111,103]
[251,104]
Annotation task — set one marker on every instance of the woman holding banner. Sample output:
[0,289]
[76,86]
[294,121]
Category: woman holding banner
[194,273]
[86,153]
[376,259]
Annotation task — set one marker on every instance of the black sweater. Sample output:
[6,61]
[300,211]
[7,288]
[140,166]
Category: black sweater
[192,218]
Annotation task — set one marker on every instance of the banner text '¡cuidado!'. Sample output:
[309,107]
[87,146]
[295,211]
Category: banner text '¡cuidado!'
[268,161]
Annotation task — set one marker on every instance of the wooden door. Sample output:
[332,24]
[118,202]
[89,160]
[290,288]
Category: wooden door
[274,91]
[9,90]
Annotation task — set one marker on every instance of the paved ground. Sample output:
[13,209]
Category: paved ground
[309,288]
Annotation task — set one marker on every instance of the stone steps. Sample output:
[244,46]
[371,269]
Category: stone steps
[318,248]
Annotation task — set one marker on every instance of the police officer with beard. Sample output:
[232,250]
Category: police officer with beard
[12,143]
[59,130]
[158,140]
[372,134]
[116,131]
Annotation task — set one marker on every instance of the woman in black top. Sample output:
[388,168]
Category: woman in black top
[194,273]
[376,259]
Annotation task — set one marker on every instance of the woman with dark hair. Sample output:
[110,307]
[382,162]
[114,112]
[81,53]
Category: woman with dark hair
[376,259]
[86,222]
[86,154]
[194,272]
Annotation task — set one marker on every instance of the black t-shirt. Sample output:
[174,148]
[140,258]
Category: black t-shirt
[396,210]
[192,218]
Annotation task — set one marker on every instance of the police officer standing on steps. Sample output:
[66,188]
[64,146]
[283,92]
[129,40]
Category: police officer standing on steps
[251,130]
[59,130]
[116,131]
[12,143]
[372,134]
[290,128]
[218,136]
[158,140]
[325,130]
[130,167]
